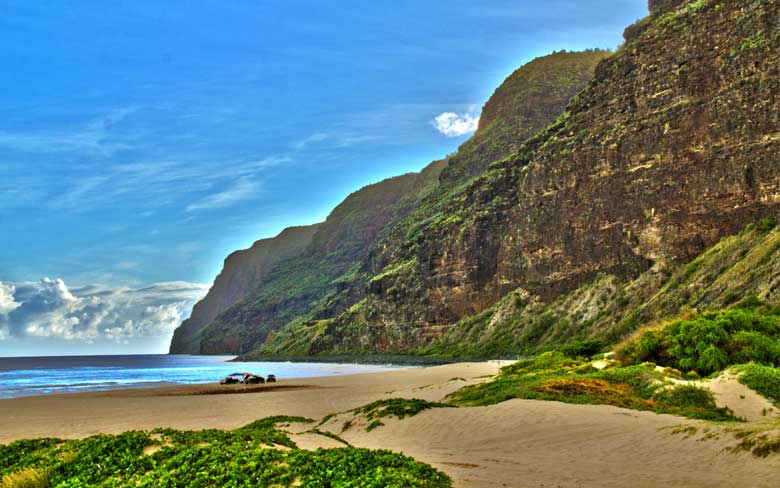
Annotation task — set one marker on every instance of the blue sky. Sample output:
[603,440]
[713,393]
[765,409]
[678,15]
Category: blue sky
[143,141]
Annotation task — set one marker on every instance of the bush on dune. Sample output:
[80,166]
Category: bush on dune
[711,342]
[554,376]
[395,407]
[26,478]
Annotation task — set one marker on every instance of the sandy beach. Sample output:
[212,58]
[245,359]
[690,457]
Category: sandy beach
[518,443]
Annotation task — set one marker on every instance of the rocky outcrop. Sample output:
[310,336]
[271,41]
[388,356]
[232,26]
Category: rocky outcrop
[608,308]
[662,6]
[242,272]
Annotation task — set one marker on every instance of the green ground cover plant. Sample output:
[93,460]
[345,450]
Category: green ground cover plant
[246,457]
[554,376]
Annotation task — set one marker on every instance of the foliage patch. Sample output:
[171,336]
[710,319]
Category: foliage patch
[711,342]
[242,457]
[554,376]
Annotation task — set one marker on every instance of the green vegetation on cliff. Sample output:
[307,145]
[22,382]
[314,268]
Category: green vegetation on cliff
[525,103]
[242,272]
[321,277]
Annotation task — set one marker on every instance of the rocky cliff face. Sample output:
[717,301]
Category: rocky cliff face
[671,147]
[609,308]
[319,277]
[587,229]
[242,272]
[331,273]
[525,103]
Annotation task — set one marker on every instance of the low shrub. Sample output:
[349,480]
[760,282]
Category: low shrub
[712,341]
[592,391]
[582,349]
[686,396]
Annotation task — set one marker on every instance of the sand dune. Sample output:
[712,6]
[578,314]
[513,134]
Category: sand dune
[745,403]
[519,443]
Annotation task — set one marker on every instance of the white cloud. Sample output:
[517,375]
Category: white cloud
[7,303]
[242,190]
[269,162]
[48,309]
[455,125]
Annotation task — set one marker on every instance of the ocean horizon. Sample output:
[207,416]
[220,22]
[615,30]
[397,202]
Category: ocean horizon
[47,375]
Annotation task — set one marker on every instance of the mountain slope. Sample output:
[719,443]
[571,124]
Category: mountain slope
[609,308]
[315,277]
[242,272]
[331,274]
[671,147]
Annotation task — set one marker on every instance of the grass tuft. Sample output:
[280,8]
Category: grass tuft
[764,380]
[396,407]
[27,478]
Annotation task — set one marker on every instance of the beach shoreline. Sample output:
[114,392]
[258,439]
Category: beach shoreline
[515,443]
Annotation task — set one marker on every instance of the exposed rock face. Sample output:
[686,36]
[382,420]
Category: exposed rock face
[242,272]
[609,308]
[656,6]
[673,145]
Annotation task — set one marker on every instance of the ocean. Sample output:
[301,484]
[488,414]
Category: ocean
[29,376]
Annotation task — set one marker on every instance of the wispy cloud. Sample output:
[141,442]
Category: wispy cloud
[92,136]
[312,139]
[243,189]
[456,125]
[107,158]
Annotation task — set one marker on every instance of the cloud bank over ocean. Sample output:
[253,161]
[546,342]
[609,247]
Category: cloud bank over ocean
[49,310]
